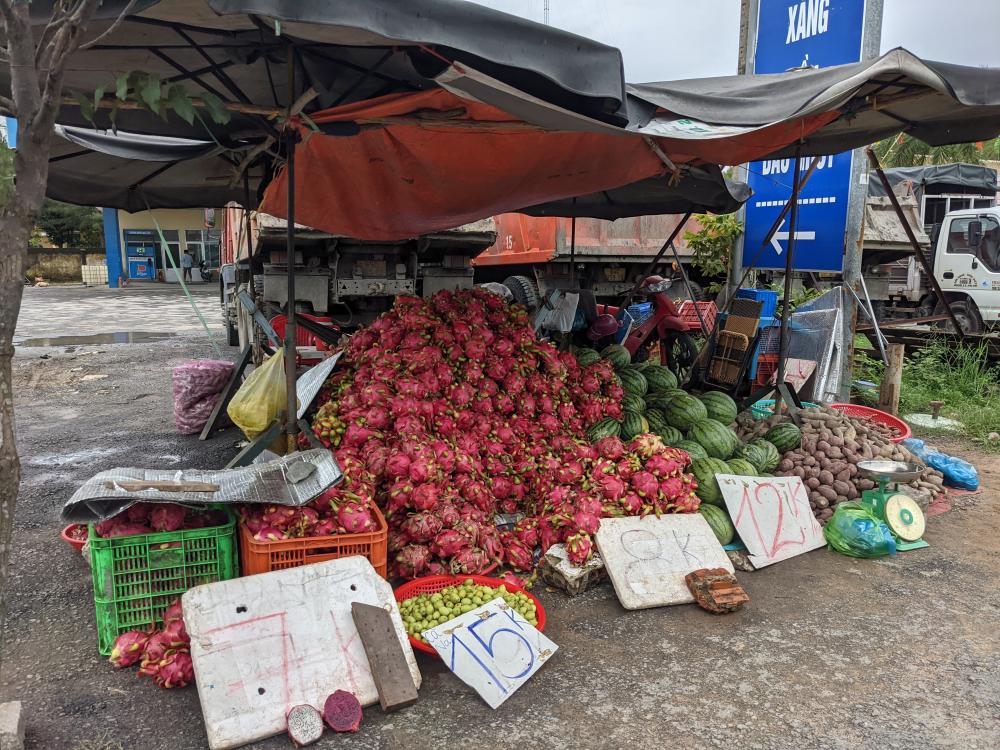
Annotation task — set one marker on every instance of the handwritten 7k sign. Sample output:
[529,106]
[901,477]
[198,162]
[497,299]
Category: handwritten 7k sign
[772,516]
[491,648]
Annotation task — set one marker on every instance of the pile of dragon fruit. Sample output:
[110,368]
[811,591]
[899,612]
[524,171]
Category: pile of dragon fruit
[149,518]
[347,508]
[164,655]
[453,411]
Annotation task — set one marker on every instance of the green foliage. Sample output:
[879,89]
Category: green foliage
[712,245]
[159,97]
[905,151]
[960,376]
[800,296]
[70,226]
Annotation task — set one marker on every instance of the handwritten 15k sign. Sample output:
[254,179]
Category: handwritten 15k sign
[492,649]
[772,516]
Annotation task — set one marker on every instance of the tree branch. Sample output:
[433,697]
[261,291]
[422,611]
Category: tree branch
[111,29]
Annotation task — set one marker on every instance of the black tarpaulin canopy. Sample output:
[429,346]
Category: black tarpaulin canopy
[136,172]
[939,103]
[344,50]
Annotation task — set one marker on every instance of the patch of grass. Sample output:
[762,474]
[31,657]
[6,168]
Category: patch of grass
[959,376]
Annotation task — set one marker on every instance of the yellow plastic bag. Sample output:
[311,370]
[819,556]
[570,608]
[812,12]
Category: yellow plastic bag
[261,398]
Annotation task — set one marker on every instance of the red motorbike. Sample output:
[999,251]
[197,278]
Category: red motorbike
[663,327]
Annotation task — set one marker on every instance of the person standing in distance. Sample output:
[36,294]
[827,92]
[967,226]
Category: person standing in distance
[187,263]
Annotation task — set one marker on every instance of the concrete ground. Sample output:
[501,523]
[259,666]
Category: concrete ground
[832,652]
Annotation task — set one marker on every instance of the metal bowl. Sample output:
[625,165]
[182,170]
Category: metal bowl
[883,470]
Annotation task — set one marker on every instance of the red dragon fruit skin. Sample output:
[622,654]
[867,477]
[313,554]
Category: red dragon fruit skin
[167,517]
[128,648]
[176,670]
[342,712]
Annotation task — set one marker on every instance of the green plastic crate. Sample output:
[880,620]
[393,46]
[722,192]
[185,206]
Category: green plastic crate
[764,409]
[137,577]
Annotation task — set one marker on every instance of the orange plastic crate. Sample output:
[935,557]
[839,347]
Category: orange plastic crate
[688,314]
[263,557]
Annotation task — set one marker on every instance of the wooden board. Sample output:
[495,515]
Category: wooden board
[772,516]
[265,643]
[389,668]
[647,558]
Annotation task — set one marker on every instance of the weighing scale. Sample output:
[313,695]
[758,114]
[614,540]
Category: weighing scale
[899,511]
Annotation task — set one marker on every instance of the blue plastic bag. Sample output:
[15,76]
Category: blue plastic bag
[854,531]
[957,473]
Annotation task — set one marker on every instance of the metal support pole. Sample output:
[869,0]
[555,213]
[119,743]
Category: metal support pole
[913,241]
[572,247]
[786,303]
[291,421]
[690,291]
[249,228]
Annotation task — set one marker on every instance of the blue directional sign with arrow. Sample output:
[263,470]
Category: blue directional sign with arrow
[794,34]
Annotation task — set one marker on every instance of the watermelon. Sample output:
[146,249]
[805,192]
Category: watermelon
[604,428]
[632,402]
[742,467]
[660,379]
[720,407]
[755,454]
[785,437]
[617,354]
[720,522]
[718,440]
[633,381]
[642,365]
[704,470]
[771,455]
[633,424]
[669,435]
[692,448]
[684,410]
[585,356]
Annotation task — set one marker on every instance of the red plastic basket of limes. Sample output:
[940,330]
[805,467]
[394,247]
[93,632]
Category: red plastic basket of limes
[434,584]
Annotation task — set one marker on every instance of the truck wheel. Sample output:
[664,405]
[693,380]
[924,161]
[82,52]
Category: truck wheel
[232,334]
[967,315]
[523,290]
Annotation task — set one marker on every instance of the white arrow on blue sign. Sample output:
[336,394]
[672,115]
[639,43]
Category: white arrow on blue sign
[791,33]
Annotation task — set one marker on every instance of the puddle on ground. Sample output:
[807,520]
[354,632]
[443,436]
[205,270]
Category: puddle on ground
[119,337]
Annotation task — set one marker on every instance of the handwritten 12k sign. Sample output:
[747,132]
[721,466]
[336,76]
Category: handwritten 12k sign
[492,649]
[772,516]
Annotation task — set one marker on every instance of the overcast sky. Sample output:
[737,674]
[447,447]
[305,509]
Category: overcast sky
[670,39]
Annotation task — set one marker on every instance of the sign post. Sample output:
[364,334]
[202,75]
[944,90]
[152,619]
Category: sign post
[783,35]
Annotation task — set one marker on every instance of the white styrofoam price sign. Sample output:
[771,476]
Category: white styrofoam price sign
[772,516]
[492,649]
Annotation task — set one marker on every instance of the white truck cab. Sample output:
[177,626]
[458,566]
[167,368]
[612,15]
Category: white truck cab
[967,266]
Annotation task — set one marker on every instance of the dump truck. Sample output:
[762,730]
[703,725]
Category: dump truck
[347,280]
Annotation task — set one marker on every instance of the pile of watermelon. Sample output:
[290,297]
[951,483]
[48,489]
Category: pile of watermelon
[702,426]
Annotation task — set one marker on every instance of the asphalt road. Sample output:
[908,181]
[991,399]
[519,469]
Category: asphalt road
[831,652]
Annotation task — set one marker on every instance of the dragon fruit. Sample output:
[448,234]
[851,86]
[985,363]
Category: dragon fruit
[174,612]
[412,559]
[470,560]
[448,543]
[586,522]
[425,496]
[645,484]
[175,670]
[422,527]
[128,648]
[647,445]
[176,635]
[342,712]
[611,448]
[138,513]
[157,647]
[610,486]
[128,529]
[579,548]
[304,725]
[269,534]
[355,518]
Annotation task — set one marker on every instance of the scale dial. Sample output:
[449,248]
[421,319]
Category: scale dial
[904,517]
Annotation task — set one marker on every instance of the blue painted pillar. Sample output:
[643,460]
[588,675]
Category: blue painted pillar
[112,246]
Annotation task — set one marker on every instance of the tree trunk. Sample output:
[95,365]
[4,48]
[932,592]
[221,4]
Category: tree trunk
[13,252]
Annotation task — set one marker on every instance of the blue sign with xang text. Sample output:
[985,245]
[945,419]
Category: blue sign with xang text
[791,34]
